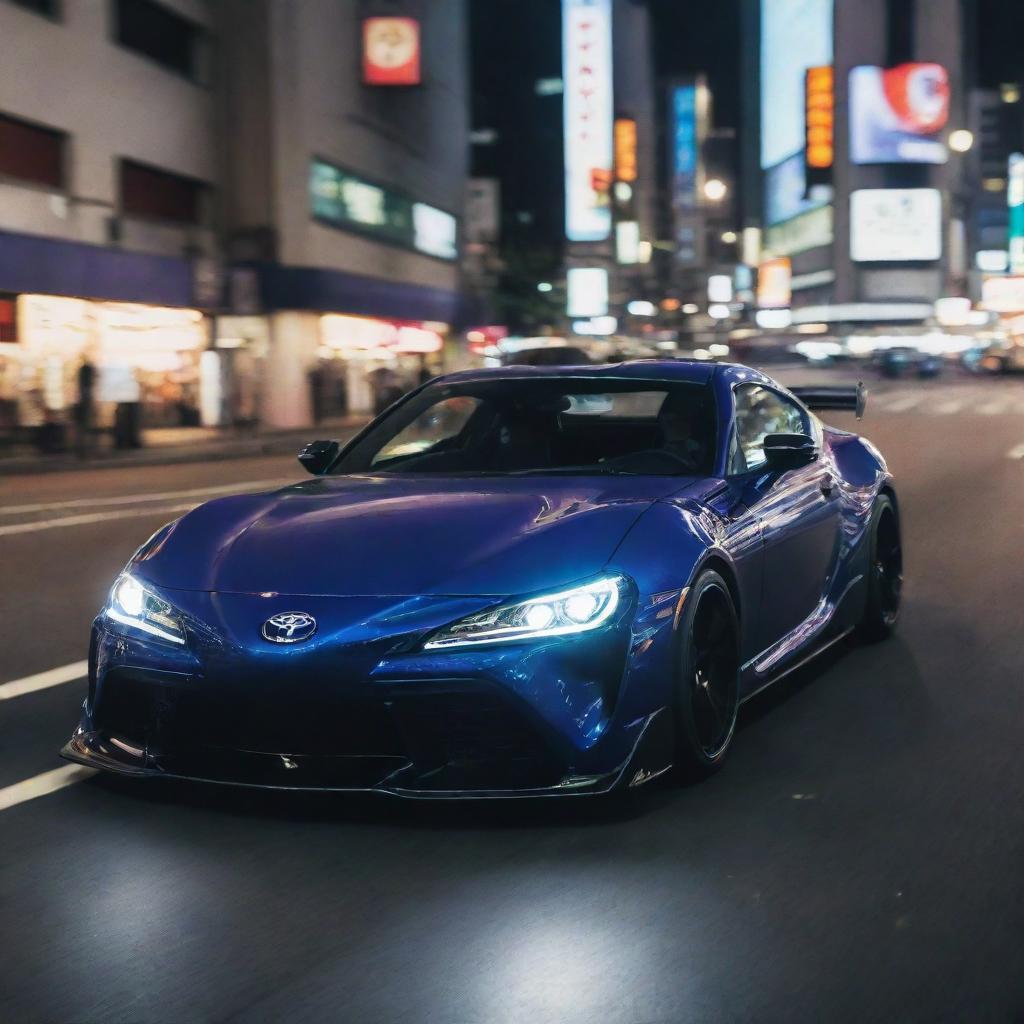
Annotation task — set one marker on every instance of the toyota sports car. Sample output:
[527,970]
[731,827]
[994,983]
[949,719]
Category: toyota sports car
[513,582]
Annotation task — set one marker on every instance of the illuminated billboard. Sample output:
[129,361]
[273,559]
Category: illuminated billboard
[346,200]
[686,131]
[1015,202]
[391,51]
[897,114]
[775,283]
[819,120]
[587,291]
[625,149]
[796,36]
[895,225]
[688,106]
[588,114]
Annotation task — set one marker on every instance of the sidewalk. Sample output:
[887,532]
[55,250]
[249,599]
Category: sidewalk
[186,444]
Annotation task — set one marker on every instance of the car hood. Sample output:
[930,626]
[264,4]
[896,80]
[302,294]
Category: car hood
[403,536]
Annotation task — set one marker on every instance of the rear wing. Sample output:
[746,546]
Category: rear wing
[846,397]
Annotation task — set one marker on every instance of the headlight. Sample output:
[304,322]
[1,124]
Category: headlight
[569,611]
[132,604]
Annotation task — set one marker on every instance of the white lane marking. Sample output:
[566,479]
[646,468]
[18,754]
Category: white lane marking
[41,785]
[138,499]
[996,408]
[947,408]
[903,404]
[43,680]
[92,517]
[1016,453]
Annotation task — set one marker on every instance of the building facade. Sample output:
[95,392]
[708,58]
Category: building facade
[216,206]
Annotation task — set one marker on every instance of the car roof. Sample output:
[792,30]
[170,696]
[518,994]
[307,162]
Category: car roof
[690,370]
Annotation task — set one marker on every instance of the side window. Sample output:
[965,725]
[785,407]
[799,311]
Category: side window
[760,411]
[441,422]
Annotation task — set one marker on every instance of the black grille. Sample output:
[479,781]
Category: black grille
[165,715]
[472,740]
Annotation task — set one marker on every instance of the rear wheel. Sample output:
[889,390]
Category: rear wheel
[885,572]
[707,676]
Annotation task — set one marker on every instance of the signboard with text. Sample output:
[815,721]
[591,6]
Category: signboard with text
[895,225]
[588,117]
[346,200]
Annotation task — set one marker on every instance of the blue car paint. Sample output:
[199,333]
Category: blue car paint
[381,562]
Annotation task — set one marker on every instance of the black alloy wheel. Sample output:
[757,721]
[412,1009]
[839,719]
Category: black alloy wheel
[885,569]
[707,687]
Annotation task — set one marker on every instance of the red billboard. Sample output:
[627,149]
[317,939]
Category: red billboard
[391,51]
[897,114]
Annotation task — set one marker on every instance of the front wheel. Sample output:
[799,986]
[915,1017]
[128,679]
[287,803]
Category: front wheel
[885,572]
[707,676]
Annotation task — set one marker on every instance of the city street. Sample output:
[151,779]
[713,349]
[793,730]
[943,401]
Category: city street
[858,858]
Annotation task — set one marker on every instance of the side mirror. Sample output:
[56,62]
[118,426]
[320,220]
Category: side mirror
[789,451]
[318,456]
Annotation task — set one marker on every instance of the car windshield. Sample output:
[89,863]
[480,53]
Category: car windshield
[557,425]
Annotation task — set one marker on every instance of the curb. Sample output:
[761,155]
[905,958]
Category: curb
[210,451]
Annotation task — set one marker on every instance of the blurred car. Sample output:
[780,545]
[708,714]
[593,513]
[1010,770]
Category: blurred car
[515,582]
[906,361]
[998,357]
[554,355]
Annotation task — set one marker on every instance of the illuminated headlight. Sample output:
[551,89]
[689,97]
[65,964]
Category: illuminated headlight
[133,605]
[569,611]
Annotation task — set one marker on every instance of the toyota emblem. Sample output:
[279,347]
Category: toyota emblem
[289,627]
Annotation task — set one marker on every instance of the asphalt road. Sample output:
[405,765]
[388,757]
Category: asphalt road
[859,857]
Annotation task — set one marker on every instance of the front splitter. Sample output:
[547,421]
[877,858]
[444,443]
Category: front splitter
[391,776]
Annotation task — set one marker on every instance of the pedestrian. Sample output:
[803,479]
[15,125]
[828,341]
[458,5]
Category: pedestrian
[85,408]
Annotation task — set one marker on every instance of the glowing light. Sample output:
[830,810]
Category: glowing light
[130,596]
[580,607]
[961,140]
[715,190]
[539,616]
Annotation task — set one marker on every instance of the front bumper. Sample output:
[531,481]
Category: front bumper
[362,711]
[386,775]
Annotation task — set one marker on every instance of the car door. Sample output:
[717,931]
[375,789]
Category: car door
[798,510]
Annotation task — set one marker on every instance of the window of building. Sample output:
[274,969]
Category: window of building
[48,8]
[31,153]
[160,195]
[162,35]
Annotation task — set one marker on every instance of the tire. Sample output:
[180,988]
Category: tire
[885,572]
[707,674]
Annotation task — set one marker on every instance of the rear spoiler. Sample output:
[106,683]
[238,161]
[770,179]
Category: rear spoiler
[847,397]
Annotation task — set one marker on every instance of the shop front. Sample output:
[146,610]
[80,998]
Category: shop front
[137,366]
[365,363]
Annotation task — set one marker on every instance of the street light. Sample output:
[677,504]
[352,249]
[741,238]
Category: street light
[961,140]
[544,286]
[715,190]
[729,237]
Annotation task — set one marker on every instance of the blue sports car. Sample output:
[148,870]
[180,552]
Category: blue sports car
[514,582]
